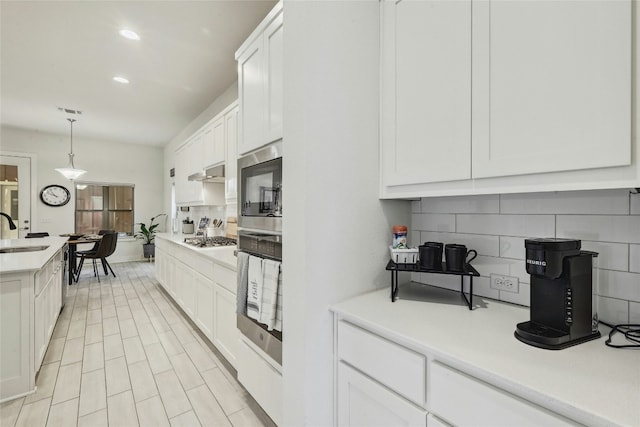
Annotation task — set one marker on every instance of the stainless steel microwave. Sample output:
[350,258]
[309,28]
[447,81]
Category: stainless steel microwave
[260,189]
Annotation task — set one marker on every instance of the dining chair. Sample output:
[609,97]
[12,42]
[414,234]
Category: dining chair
[106,247]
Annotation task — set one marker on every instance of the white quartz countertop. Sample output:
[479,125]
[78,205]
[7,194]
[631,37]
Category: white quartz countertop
[28,261]
[223,255]
[590,382]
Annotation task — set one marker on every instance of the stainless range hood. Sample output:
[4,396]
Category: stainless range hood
[213,174]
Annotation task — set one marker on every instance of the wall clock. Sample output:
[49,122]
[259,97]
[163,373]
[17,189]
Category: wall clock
[55,195]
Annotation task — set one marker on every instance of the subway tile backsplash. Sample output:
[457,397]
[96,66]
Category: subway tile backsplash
[607,222]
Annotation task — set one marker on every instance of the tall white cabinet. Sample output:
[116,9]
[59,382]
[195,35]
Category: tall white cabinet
[260,82]
[495,96]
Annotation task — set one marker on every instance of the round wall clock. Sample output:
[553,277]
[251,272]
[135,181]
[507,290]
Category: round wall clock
[55,195]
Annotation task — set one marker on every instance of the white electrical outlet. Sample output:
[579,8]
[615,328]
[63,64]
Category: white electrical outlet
[504,283]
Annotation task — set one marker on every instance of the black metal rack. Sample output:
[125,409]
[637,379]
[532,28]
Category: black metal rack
[469,272]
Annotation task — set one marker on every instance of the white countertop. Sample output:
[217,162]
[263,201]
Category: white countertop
[590,382]
[223,255]
[28,261]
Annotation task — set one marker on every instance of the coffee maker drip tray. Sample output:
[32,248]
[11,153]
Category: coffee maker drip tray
[539,335]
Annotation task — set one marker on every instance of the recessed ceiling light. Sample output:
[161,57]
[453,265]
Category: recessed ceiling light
[131,35]
[121,80]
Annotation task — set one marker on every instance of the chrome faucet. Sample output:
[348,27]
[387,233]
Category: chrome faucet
[12,226]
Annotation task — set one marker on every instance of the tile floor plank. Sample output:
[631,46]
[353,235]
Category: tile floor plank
[96,419]
[93,392]
[9,412]
[142,381]
[34,414]
[93,357]
[121,410]
[63,414]
[113,347]
[117,376]
[173,396]
[68,383]
[151,413]
[188,419]
[186,371]
[206,407]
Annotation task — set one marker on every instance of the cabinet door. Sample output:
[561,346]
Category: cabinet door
[426,91]
[226,335]
[552,86]
[204,304]
[185,289]
[251,97]
[40,319]
[214,143]
[364,402]
[273,58]
[231,164]
[181,165]
[196,151]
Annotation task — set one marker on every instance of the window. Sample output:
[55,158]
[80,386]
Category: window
[104,207]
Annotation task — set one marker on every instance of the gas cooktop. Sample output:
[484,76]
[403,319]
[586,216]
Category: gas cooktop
[209,242]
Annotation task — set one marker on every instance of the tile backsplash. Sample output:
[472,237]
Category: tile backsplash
[607,222]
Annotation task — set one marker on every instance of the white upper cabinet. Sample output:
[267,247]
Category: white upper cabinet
[507,96]
[214,141]
[552,86]
[260,84]
[426,91]
[231,165]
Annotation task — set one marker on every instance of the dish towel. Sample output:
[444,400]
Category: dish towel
[278,323]
[241,293]
[254,287]
[268,306]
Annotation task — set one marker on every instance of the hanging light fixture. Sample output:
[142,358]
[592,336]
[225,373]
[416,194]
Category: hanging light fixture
[70,172]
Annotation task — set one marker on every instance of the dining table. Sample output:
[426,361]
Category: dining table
[73,242]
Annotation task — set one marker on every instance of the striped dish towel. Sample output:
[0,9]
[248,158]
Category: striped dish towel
[278,323]
[254,287]
[268,307]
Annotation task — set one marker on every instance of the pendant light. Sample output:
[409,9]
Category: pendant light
[70,172]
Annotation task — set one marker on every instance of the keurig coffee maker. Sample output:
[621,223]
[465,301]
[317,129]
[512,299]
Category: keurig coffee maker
[563,294]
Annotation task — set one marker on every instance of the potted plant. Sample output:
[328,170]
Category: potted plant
[148,235]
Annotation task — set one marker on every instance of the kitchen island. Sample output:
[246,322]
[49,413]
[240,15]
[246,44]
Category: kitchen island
[31,280]
[429,359]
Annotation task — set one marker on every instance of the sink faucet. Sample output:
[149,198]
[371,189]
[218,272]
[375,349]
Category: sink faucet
[12,226]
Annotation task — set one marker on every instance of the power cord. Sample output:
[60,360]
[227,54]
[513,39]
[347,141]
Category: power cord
[630,331]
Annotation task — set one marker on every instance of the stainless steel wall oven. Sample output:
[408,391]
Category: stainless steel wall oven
[260,234]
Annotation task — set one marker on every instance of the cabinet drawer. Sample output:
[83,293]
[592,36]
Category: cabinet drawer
[397,367]
[483,404]
[364,402]
[226,278]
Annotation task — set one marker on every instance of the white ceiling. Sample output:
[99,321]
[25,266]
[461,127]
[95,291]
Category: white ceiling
[65,53]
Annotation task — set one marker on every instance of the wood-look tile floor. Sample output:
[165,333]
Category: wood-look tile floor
[122,354]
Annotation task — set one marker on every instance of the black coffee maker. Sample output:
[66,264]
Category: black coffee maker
[563,294]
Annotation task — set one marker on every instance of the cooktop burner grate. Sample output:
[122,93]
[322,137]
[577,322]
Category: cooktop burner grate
[209,242]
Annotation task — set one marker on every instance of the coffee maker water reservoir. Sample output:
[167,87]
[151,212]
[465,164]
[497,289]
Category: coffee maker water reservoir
[564,294]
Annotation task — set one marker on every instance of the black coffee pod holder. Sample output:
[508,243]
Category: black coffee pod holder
[468,271]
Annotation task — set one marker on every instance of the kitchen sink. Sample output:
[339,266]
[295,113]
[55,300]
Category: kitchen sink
[22,249]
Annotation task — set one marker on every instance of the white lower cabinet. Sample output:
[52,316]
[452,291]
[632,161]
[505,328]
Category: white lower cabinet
[226,336]
[364,402]
[29,308]
[382,383]
[204,291]
[205,309]
[261,379]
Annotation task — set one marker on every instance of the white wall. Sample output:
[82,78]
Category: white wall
[336,231]
[105,161]
[607,222]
